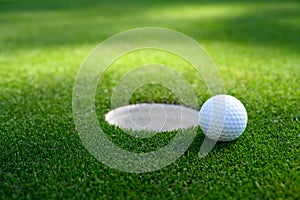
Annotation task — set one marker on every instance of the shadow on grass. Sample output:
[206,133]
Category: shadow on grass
[198,141]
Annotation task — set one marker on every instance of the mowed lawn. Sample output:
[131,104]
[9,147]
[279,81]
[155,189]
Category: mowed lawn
[256,46]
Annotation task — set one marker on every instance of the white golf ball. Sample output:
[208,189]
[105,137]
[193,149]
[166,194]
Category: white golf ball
[223,117]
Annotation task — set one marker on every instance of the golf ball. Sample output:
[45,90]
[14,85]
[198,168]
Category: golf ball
[223,117]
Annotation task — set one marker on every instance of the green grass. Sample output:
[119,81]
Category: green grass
[256,46]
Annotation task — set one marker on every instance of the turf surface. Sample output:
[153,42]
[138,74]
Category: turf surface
[256,46]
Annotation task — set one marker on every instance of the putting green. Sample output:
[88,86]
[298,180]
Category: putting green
[255,45]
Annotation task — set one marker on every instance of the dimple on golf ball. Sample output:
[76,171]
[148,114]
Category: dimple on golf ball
[223,118]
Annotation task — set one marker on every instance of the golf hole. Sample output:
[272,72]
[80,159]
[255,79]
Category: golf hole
[153,117]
